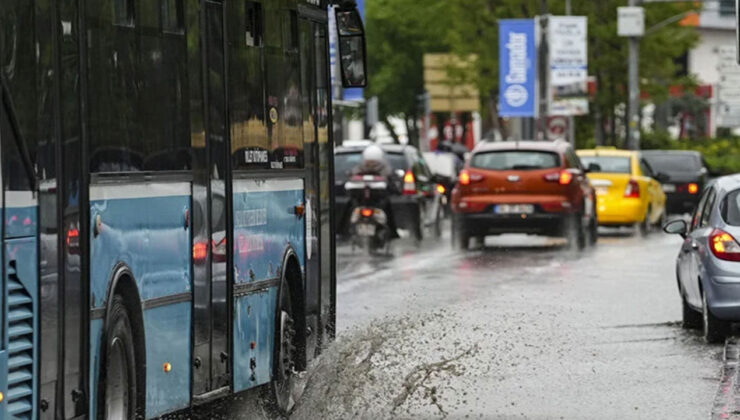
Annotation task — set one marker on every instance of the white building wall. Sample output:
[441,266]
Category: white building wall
[703,59]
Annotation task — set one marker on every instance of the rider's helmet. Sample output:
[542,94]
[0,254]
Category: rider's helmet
[373,153]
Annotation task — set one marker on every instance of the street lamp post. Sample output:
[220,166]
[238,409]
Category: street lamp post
[633,110]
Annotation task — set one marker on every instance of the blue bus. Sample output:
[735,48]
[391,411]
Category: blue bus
[167,174]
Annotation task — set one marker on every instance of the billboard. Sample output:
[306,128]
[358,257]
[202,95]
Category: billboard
[518,68]
[568,88]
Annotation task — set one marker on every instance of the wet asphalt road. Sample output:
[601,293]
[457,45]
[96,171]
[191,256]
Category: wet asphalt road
[521,328]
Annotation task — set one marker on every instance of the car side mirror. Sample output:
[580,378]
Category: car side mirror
[676,227]
[662,177]
[593,167]
[352,47]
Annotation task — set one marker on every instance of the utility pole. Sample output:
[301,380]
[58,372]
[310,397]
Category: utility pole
[633,110]
[544,67]
[571,119]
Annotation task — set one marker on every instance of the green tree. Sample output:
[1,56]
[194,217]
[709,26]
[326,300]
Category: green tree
[399,33]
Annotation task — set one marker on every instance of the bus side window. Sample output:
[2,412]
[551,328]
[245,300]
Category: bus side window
[253,32]
[123,12]
[173,16]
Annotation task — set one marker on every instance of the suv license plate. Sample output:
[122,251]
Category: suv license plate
[366,229]
[514,209]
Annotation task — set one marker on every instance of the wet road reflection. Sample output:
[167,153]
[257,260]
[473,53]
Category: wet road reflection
[519,328]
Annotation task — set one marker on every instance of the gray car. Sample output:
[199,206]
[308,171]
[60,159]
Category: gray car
[708,265]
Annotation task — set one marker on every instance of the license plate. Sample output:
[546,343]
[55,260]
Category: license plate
[514,209]
[366,230]
[602,190]
[669,188]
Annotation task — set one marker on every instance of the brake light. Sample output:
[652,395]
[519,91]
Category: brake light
[562,177]
[409,183]
[200,251]
[441,189]
[693,188]
[724,246]
[464,178]
[73,236]
[367,212]
[632,190]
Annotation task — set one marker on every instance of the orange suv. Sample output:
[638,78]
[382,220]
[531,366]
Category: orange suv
[524,187]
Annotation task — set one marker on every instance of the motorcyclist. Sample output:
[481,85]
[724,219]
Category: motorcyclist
[374,162]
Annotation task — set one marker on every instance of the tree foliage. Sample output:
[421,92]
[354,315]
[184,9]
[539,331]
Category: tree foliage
[401,31]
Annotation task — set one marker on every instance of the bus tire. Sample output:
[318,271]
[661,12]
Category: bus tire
[286,352]
[118,376]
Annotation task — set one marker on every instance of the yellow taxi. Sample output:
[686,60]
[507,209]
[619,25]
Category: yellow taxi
[627,190]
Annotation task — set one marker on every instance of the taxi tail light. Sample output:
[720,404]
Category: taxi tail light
[467,178]
[409,183]
[562,177]
[632,190]
[724,246]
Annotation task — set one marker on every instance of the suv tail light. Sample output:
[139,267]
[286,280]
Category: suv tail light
[562,177]
[466,178]
[409,183]
[632,190]
[724,246]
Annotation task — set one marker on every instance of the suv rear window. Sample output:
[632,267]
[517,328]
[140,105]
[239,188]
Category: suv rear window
[344,163]
[609,164]
[508,160]
[731,208]
[674,162]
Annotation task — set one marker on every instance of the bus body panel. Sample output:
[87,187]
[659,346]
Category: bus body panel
[269,223]
[21,306]
[146,228]
[167,331]
[254,322]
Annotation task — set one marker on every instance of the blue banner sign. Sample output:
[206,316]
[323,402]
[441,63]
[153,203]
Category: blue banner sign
[518,61]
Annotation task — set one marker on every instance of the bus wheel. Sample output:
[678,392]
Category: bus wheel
[120,367]
[285,352]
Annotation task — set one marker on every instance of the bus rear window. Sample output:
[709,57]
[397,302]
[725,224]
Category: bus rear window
[731,208]
[515,160]
[608,164]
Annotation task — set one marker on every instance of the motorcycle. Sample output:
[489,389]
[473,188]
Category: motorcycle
[369,227]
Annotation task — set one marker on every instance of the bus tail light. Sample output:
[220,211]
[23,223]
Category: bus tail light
[724,246]
[632,190]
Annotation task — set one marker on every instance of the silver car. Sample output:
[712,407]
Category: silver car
[708,265]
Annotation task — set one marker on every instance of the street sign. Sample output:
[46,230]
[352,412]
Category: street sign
[568,52]
[446,94]
[728,88]
[631,21]
[518,64]
[557,128]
